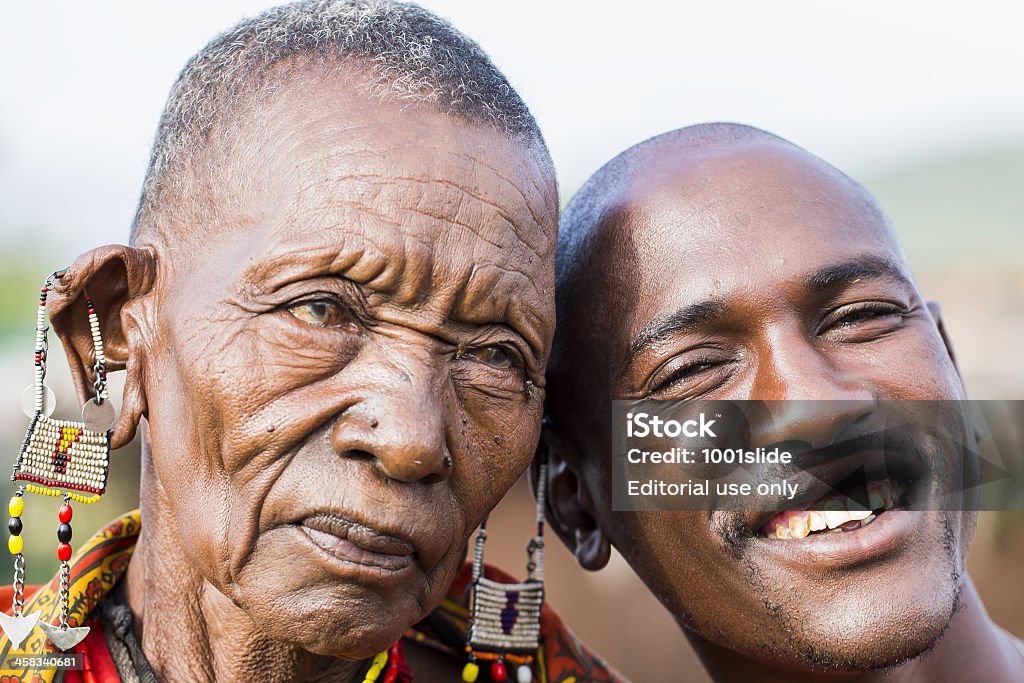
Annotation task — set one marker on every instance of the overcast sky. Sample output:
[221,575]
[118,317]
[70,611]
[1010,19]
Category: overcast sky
[869,85]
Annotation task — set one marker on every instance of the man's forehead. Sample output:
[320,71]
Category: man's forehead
[723,206]
[755,218]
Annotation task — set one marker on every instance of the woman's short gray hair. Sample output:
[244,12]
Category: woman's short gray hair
[408,52]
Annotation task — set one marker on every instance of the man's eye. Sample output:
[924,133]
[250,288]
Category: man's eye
[495,356]
[687,372]
[871,313]
[321,312]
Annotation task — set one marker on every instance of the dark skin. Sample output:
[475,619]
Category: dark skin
[321,373]
[767,275]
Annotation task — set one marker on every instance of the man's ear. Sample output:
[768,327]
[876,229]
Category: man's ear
[569,506]
[115,277]
[936,312]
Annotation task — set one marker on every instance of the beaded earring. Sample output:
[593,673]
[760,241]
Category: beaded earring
[504,623]
[58,458]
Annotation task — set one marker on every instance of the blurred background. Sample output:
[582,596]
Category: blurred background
[922,102]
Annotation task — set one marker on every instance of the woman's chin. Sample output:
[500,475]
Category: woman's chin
[345,634]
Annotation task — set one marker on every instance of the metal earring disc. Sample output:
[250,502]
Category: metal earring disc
[98,417]
[28,401]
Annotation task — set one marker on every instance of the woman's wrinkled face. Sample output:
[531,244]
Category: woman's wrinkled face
[347,365]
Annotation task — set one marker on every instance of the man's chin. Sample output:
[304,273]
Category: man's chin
[871,645]
[877,646]
[872,603]
[891,626]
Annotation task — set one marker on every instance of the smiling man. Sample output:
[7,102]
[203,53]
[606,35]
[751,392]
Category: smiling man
[334,316]
[720,262]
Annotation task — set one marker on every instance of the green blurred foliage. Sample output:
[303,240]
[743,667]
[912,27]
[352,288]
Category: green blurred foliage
[21,274]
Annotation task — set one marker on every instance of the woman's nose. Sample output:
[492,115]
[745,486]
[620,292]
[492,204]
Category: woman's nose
[402,427]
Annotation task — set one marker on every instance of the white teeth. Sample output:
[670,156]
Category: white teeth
[837,511]
[836,518]
[859,514]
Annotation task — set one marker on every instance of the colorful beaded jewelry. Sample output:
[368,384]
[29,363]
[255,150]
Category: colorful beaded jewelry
[58,458]
[391,663]
[504,625]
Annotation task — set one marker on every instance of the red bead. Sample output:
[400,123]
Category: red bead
[64,552]
[498,672]
[64,514]
[391,674]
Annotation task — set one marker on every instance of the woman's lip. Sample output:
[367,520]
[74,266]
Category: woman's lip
[355,542]
[886,535]
[347,550]
[360,534]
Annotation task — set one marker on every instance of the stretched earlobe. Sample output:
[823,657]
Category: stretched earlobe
[593,551]
[117,279]
[570,509]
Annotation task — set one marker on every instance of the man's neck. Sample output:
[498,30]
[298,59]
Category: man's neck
[190,631]
[973,648]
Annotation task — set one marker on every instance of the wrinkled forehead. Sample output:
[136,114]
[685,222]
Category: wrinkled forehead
[418,207]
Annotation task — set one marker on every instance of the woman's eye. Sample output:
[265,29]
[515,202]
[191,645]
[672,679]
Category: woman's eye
[495,356]
[321,312]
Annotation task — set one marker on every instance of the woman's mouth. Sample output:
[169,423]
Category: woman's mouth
[350,541]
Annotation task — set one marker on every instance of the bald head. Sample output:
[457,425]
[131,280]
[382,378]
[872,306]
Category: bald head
[705,196]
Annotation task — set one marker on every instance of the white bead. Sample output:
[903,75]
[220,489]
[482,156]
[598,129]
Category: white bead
[524,674]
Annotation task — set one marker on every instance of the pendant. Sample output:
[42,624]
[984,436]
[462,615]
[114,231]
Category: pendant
[64,638]
[18,627]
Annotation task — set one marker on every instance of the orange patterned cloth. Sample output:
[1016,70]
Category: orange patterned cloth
[101,562]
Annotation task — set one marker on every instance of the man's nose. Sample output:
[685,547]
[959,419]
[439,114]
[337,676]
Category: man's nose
[401,425]
[808,394]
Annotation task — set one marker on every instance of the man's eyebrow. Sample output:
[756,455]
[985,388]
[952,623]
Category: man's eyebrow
[860,268]
[680,320]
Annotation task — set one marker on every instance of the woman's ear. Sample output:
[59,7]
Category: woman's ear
[116,278]
[569,507]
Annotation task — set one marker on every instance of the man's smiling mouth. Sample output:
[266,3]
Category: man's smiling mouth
[844,512]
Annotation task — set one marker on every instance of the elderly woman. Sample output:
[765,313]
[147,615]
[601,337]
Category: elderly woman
[334,317]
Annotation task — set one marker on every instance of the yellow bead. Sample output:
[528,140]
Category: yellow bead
[470,672]
[16,506]
[15,544]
